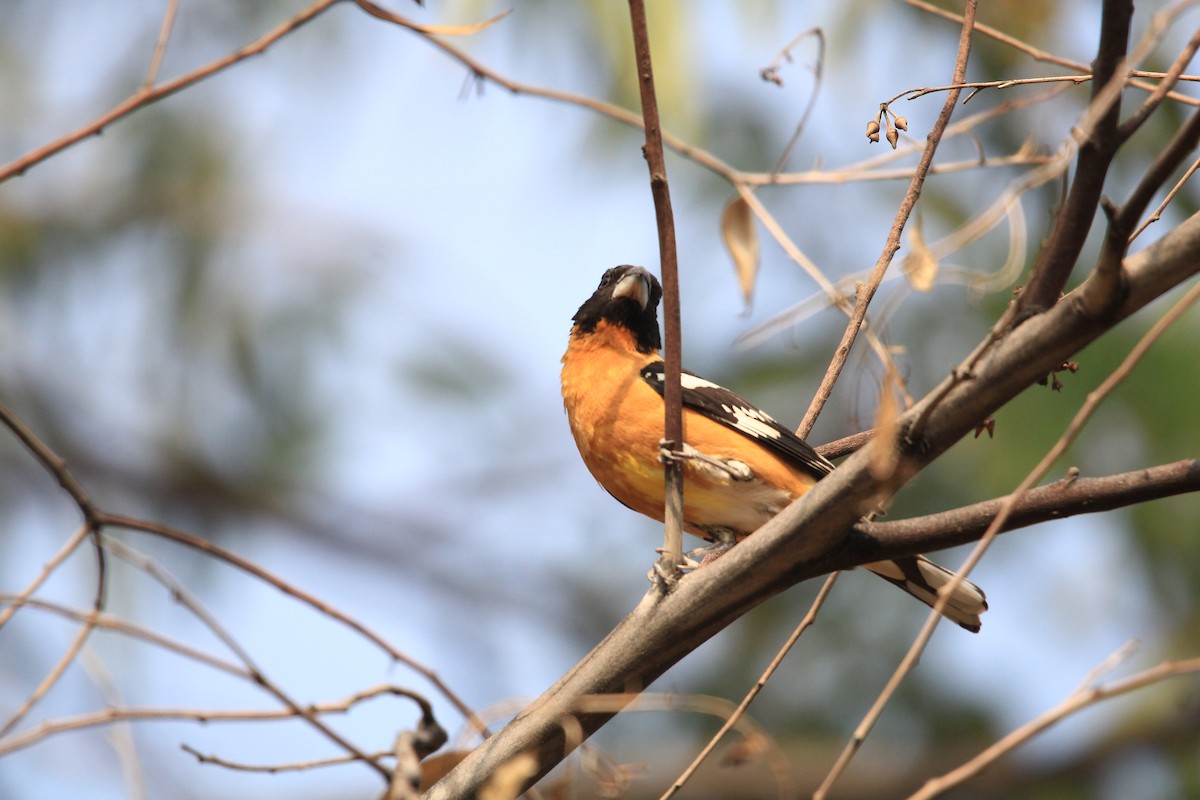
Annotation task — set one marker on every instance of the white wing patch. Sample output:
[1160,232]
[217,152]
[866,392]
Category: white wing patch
[689,381]
[751,421]
[723,406]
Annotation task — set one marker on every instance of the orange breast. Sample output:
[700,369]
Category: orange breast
[617,421]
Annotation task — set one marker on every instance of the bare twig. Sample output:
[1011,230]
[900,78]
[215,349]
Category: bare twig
[771,73]
[793,251]
[1159,24]
[125,627]
[913,94]
[107,716]
[160,47]
[53,676]
[1086,695]
[804,625]
[1157,215]
[47,569]
[734,717]
[205,546]
[197,609]
[1063,498]
[120,734]
[1094,399]
[145,96]
[271,769]
[53,463]
[1098,140]
[672,556]
[88,623]
[379,12]
[1181,145]
[1038,54]
[863,300]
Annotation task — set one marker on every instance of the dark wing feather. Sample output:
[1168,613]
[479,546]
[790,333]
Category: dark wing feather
[723,406]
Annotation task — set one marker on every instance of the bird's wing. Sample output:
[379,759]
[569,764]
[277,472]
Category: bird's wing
[723,406]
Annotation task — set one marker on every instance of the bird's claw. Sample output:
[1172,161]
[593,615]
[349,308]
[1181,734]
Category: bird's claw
[703,556]
[736,470]
[686,563]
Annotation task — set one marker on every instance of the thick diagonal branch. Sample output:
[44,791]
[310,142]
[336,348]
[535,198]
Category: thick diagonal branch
[810,537]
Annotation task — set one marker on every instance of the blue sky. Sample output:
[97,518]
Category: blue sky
[477,224]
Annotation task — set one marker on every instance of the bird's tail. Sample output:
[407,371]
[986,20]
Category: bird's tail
[922,578]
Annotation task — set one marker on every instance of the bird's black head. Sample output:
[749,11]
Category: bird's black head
[627,296]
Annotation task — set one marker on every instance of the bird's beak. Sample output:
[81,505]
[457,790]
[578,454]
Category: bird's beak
[634,286]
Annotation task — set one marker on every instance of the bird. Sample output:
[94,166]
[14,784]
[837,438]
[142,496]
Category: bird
[740,466]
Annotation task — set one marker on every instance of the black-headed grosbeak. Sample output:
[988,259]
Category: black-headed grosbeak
[740,466]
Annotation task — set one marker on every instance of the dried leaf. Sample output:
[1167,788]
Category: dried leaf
[920,266]
[508,780]
[741,240]
[884,452]
[749,749]
[1028,148]
[434,768]
[380,12]
[464,30]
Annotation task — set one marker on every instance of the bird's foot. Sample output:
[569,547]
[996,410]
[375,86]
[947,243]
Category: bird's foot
[733,468]
[703,556]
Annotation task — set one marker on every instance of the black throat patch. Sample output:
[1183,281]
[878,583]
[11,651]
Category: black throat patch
[623,311]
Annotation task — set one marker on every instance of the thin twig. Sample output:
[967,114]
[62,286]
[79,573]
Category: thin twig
[771,73]
[125,627]
[733,719]
[698,703]
[53,463]
[835,296]
[1041,55]
[913,94]
[863,300]
[107,716]
[221,554]
[672,556]
[120,734]
[145,96]
[271,769]
[1085,412]
[1081,698]
[87,624]
[1157,215]
[53,676]
[47,569]
[160,47]
[197,609]
[1168,159]
[1172,77]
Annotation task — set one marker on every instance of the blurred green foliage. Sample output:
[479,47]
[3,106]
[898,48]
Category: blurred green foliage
[196,360]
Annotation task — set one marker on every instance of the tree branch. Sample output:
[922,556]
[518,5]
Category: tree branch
[672,555]
[147,94]
[1063,498]
[867,290]
[660,632]
[1096,152]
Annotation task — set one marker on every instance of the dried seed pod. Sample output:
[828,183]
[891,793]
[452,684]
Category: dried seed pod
[873,130]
